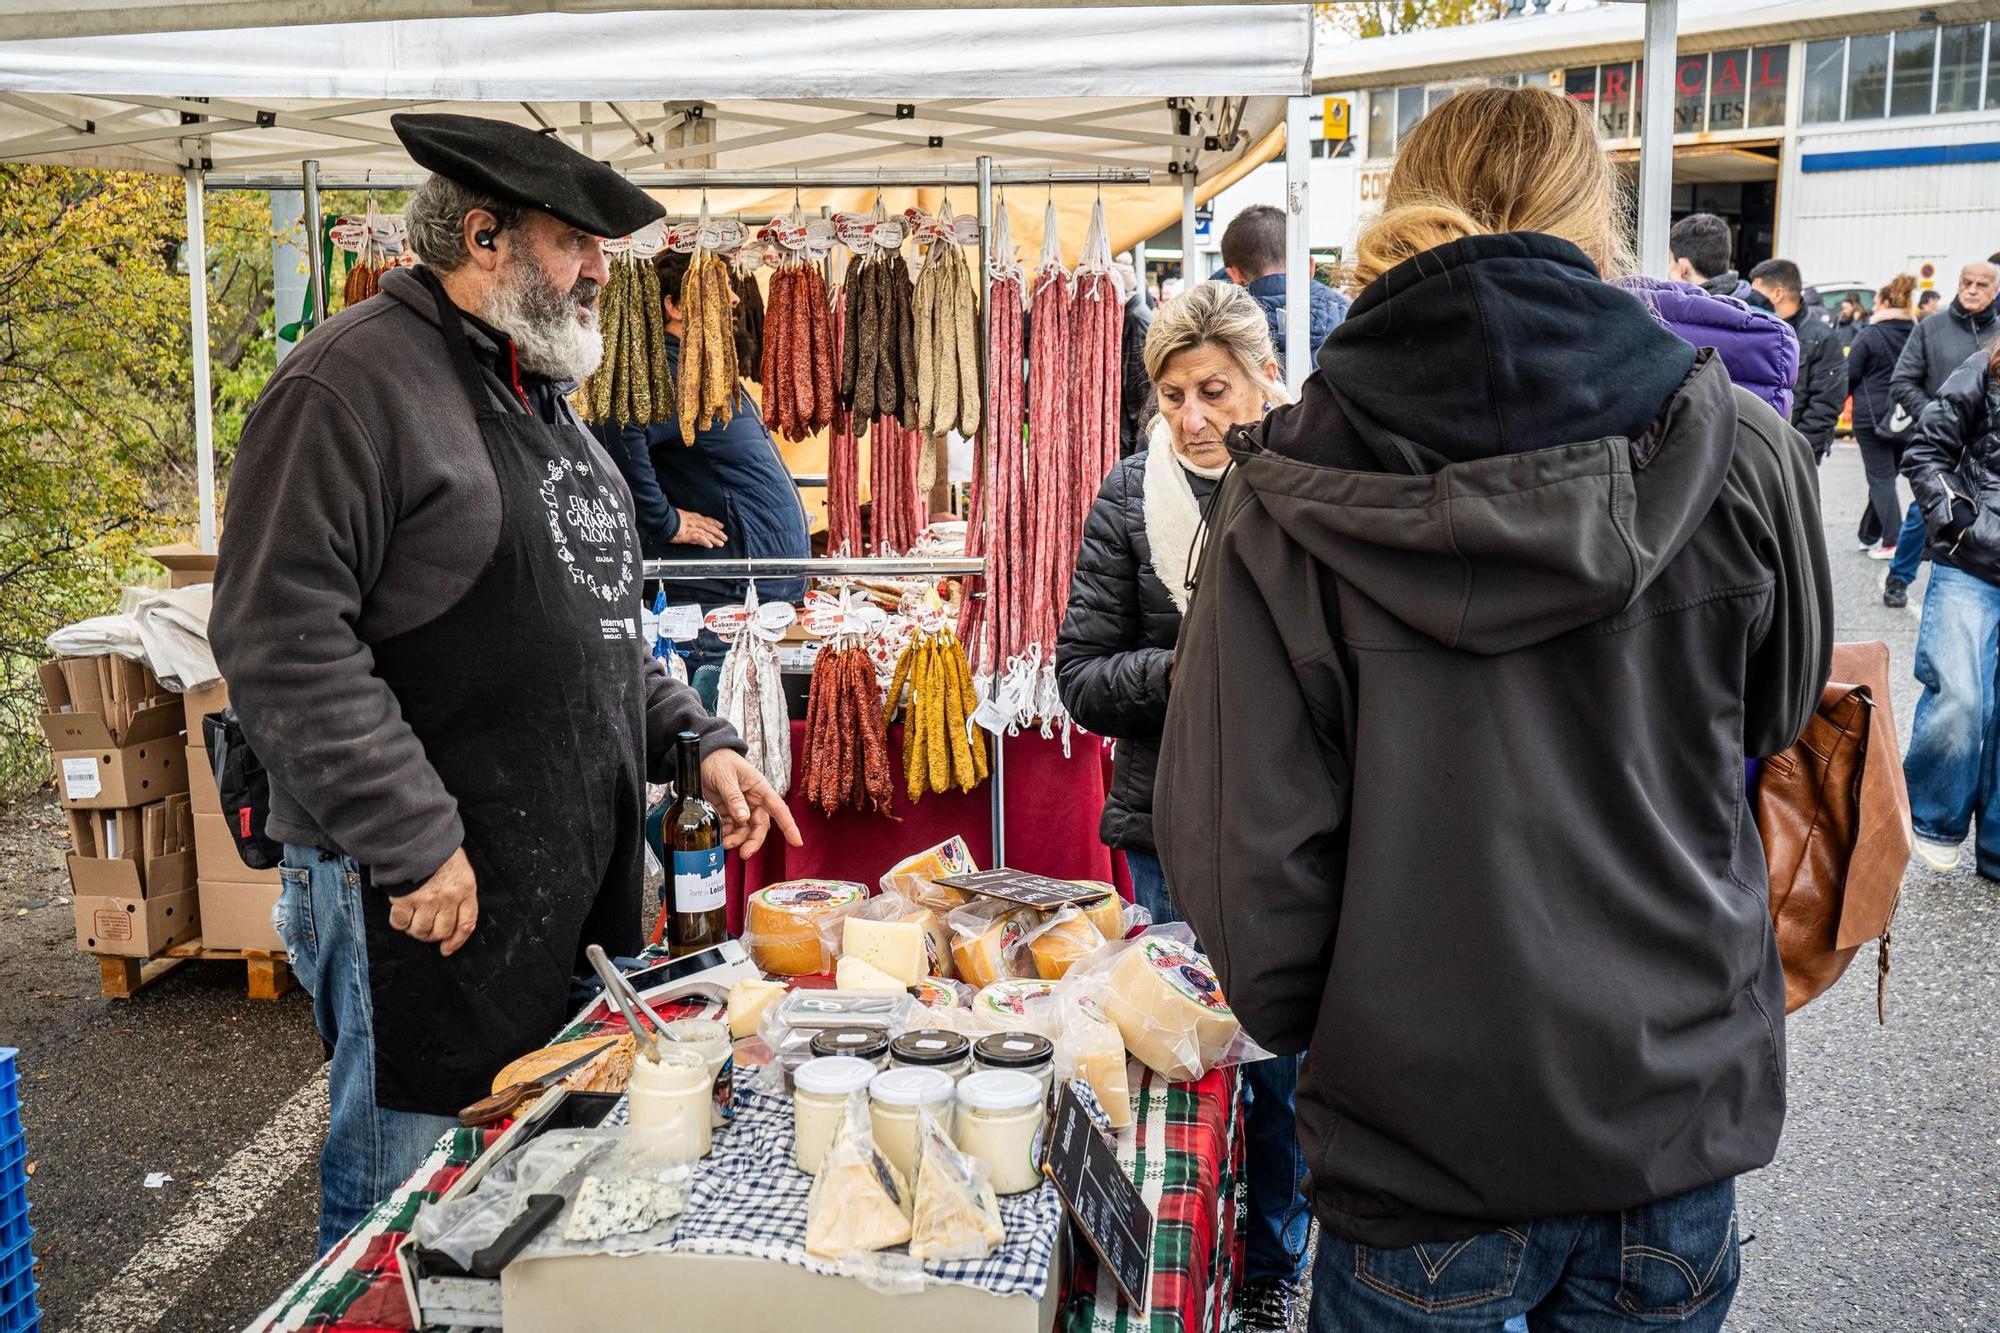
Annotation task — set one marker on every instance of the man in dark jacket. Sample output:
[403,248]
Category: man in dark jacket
[1253,254]
[426,606]
[1822,385]
[1698,250]
[729,495]
[1942,342]
[1445,786]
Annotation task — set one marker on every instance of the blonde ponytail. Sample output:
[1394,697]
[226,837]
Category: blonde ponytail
[1492,160]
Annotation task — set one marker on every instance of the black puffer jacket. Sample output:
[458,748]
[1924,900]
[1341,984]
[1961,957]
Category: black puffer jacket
[1953,463]
[1117,647]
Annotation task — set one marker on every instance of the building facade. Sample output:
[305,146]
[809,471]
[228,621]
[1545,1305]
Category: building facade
[1860,140]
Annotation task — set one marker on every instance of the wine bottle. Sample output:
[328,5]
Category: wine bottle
[693,835]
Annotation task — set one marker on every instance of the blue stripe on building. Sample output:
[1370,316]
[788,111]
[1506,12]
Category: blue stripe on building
[1874,159]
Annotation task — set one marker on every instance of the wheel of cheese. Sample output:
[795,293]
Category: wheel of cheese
[934,993]
[1169,1008]
[782,924]
[1106,913]
[982,958]
[1060,944]
[1009,1006]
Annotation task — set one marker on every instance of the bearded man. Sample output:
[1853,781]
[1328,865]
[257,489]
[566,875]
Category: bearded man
[426,606]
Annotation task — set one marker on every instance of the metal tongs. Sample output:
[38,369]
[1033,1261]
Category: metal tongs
[628,1002]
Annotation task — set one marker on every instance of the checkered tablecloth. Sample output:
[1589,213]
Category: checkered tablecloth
[1185,1152]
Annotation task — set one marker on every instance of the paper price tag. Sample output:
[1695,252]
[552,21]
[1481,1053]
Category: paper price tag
[681,623]
[820,236]
[80,780]
[965,229]
[889,233]
[798,657]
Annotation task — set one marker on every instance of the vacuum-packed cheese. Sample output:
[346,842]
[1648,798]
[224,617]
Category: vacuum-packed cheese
[955,1218]
[938,961]
[1169,1008]
[915,878]
[782,924]
[1062,942]
[1012,1006]
[858,974]
[859,1202]
[934,993]
[896,947]
[982,955]
[748,999]
[1098,1051]
[1107,914]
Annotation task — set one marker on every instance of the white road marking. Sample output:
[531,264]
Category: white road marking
[175,1258]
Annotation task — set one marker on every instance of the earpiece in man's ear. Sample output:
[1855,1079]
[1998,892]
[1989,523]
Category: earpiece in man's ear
[483,238]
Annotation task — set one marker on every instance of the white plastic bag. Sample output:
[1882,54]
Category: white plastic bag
[1160,992]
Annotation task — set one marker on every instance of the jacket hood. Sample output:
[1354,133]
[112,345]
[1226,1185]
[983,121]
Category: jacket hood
[1541,493]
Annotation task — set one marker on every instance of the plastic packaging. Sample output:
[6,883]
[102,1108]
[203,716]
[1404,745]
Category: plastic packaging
[987,941]
[636,1188]
[1062,941]
[782,924]
[788,1027]
[860,1202]
[893,907]
[1160,992]
[1089,1047]
[1019,1005]
[957,1214]
[942,993]
[464,1226]
[915,878]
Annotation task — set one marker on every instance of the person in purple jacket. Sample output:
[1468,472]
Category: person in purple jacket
[1758,349]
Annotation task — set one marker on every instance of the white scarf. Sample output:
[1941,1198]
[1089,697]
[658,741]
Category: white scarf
[1173,519]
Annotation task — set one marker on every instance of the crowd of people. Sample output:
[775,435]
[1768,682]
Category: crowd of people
[1432,689]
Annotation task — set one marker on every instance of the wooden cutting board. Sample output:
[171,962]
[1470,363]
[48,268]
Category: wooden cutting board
[609,1072]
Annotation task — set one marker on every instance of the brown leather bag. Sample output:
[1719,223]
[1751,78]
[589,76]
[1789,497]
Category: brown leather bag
[1835,819]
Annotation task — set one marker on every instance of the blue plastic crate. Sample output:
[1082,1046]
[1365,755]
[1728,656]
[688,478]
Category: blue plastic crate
[14,1227]
[10,1122]
[21,1316]
[16,1261]
[13,1157]
[18,1290]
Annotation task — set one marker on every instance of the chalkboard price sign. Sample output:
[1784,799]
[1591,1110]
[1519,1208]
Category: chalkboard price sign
[1025,887]
[1102,1201]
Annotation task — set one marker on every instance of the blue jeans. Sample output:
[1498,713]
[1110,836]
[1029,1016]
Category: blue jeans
[1280,1218]
[1951,766]
[369,1150]
[1909,547]
[1671,1264]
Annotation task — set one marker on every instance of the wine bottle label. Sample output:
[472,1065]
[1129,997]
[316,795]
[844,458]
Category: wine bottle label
[698,881]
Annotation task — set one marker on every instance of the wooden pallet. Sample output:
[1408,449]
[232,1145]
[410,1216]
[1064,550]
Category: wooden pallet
[122,978]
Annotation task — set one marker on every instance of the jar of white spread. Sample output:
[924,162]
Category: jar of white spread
[897,1099]
[820,1091]
[1028,1052]
[711,1040]
[1000,1122]
[668,1101]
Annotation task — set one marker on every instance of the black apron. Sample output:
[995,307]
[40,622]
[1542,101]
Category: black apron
[529,698]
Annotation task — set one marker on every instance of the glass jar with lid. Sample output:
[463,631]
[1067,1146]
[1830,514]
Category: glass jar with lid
[1022,1051]
[999,1121]
[668,1101]
[870,1044]
[897,1099]
[933,1048]
[820,1093]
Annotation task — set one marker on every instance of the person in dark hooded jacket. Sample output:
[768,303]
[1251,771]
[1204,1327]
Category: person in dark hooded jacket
[1450,786]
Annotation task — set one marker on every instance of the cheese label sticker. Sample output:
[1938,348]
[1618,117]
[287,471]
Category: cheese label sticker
[1012,997]
[934,995]
[1186,971]
[80,780]
[812,893]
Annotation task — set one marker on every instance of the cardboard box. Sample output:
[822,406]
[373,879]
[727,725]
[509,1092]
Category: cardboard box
[166,876]
[216,855]
[135,927]
[201,782]
[103,762]
[197,704]
[186,564]
[238,916]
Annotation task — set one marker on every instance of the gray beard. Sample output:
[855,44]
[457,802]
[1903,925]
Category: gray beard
[555,335]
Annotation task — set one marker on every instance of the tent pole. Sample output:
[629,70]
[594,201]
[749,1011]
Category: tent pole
[1656,138]
[1296,355]
[996,791]
[1188,278]
[204,407]
[315,262]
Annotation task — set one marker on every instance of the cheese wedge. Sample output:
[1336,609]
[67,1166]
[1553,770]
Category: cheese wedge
[748,999]
[1169,1008]
[859,1203]
[858,974]
[1100,1060]
[895,947]
[953,1218]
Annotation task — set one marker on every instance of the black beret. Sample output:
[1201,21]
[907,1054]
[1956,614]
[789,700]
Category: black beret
[515,164]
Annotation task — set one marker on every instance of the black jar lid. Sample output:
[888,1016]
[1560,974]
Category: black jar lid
[864,1043]
[1013,1050]
[929,1048]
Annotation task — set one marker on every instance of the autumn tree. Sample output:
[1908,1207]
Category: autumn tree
[1383,18]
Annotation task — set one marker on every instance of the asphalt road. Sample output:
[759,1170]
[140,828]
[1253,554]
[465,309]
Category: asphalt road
[1881,1212]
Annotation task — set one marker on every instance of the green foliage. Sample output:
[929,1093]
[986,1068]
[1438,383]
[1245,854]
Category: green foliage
[97,454]
[1382,18]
